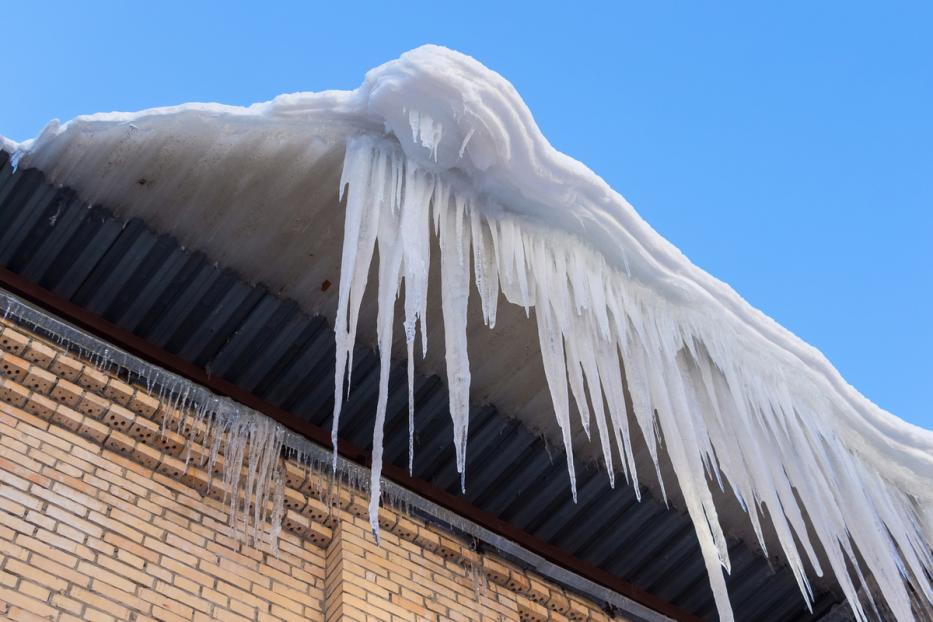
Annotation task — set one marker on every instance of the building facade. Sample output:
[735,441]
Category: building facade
[104,519]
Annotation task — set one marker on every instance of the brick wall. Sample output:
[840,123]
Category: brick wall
[101,519]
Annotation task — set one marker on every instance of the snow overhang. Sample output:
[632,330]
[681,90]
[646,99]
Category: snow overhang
[729,390]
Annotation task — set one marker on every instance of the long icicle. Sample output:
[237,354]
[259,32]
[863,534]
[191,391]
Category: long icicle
[606,340]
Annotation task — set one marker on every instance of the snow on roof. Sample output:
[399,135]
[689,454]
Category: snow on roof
[434,140]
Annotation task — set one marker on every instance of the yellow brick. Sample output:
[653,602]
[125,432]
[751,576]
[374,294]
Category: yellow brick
[91,405]
[66,367]
[66,604]
[92,615]
[146,456]
[93,430]
[12,392]
[201,480]
[67,393]
[294,500]
[296,523]
[295,475]
[172,467]
[33,573]
[449,548]
[59,570]
[98,601]
[120,443]
[183,597]
[118,527]
[126,545]
[93,379]
[578,609]
[144,405]
[144,430]
[21,600]
[427,539]
[13,367]
[39,380]
[215,597]
[110,578]
[119,418]
[518,581]
[171,443]
[67,417]
[12,416]
[406,528]
[319,534]
[39,353]
[23,469]
[495,570]
[118,391]
[12,340]
[40,406]
[33,590]
[558,601]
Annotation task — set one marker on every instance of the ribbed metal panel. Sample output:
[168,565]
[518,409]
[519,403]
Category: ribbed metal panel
[149,285]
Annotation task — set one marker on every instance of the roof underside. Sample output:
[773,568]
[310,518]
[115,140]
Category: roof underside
[183,303]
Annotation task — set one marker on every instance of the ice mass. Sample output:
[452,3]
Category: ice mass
[442,161]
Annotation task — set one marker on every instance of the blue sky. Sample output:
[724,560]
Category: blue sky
[787,149]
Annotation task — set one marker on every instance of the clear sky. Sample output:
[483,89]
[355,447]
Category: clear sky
[787,149]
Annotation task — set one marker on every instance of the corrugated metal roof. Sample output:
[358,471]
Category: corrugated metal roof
[149,285]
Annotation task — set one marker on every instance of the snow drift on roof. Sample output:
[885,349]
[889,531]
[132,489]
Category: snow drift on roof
[631,332]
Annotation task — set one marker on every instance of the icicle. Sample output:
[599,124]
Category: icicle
[411,406]
[552,353]
[587,360]
[416,256]
[607,339]
[455,269]
[485,267]
[278,509]
[426,132]
[364,168]
[390,244]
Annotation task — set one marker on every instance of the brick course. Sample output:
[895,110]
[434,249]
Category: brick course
[102,519]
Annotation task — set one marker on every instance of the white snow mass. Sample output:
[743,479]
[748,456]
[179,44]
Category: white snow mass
[442,153]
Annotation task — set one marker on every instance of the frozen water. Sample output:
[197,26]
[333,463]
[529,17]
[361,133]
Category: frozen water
[434,139]
[724,405]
